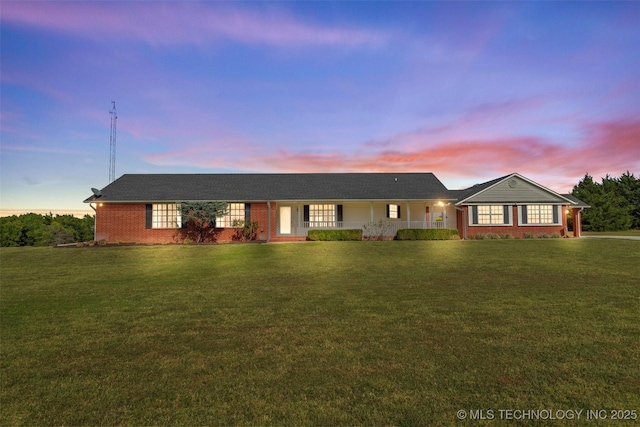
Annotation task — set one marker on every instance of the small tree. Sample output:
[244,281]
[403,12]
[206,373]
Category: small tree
[199,220]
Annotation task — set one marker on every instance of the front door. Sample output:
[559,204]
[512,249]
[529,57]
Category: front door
[285,219]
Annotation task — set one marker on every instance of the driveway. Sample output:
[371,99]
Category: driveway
[612,237]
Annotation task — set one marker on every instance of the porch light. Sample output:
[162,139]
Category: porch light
[440,204]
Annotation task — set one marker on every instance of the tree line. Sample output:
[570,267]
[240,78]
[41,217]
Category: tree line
[615,202]
[45,230]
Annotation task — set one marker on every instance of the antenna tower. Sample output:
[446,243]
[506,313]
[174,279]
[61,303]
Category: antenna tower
[112,143]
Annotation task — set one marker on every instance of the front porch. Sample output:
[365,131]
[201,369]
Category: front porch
[374,218]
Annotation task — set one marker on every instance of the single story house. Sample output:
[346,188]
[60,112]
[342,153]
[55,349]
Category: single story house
[144,208]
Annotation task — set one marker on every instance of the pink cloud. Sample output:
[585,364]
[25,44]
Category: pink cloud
[169,23]
[608,147]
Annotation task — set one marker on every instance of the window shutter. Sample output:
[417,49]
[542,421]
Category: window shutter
[247,213]
[505,213]
[387,211]
[149,216]
[474,214]
[339,213]
[399,216]
[555,214]
[524,214]
[306,213]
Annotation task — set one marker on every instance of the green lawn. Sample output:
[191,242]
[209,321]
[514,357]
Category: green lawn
[334,333]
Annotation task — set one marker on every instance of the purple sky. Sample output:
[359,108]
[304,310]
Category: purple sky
[470,91]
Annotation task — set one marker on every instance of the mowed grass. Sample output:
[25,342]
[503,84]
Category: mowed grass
[333,333]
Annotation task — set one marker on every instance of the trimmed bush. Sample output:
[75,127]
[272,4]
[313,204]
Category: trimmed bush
[427,234]
[326,235]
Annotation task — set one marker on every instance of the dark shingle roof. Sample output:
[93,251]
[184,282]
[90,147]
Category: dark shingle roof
[468,192]
[579,203]
[262,187]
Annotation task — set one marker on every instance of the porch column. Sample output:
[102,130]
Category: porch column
[371,210]
[444,217]
[425,215]
[298,217]
[577,222]
[268,221]
[408,215]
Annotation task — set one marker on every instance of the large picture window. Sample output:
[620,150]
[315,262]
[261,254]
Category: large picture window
[493,214]
[166,215]
[234,218]
[322,215]
[540,215]
[490,215]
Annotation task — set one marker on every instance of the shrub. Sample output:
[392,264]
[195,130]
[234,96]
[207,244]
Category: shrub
[326,235]
[493,236]
[376,230]
[480,236]
[543,236]
[245,231]
[555,236]
[427,234]
[507,236]
[529,236]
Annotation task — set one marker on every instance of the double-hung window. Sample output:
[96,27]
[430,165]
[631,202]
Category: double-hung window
[325,215]
[393,211]
[539,215]
[322,215]
[164,215]
[234,217]
[490,215]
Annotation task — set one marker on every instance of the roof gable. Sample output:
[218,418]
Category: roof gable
[512,188]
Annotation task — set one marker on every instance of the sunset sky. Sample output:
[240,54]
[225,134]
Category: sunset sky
[467,90]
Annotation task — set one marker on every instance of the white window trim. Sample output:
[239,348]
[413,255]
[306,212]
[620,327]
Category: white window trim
[232,215]
[508,224]
[330,208]
[547,224]
[155,220]
[393,214]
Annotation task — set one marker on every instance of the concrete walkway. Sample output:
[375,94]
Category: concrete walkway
[612,237]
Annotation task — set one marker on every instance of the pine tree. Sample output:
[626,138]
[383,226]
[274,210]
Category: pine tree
[610,210]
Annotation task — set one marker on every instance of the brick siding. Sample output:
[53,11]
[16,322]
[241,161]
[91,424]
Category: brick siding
[515,230]
[126,223]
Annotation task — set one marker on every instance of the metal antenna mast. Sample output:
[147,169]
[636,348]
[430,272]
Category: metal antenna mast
[112,143]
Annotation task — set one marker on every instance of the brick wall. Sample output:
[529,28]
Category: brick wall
[517,231]
[126,223]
